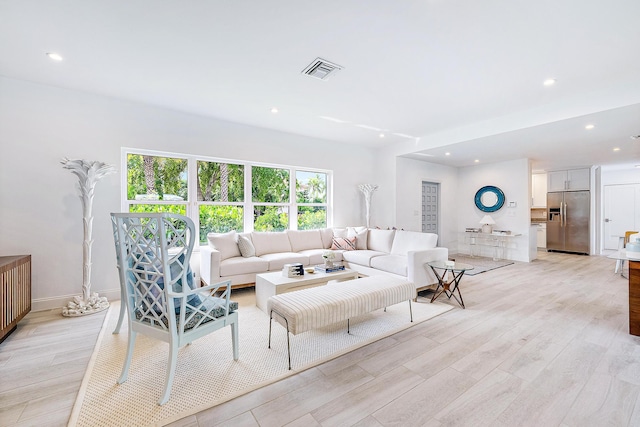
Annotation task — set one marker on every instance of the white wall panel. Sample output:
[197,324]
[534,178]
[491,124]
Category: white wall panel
[39,207]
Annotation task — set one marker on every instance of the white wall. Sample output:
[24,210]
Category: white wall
[39,208]
[621,176]
[410,175]
[514,179]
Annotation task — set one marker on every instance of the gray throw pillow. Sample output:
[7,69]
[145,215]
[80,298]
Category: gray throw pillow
[246,247]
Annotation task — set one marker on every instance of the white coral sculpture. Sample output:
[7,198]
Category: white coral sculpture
[88,173]
[368,190]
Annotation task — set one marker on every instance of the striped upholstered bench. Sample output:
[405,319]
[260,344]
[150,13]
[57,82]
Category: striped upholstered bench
[308,309]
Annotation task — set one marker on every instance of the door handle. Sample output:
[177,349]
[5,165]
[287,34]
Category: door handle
[607,220]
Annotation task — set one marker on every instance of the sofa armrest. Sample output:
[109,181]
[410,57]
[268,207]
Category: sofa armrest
[209,265]
[416,271]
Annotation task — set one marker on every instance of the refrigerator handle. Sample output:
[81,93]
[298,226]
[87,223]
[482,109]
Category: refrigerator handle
[565,214]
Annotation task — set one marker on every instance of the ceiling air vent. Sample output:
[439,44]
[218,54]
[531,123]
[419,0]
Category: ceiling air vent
[321,69]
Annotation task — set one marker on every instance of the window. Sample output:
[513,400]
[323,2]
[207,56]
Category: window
[270,194]
[311,198]
[220,194]
[223,195]
[156,184]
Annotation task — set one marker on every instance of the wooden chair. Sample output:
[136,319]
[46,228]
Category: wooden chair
[153,253]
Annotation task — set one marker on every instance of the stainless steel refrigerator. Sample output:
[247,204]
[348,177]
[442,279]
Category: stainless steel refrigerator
[568,221]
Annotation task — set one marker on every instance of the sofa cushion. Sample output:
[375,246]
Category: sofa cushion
[326,234]
[361,257]
[406,241]
[343,243]
[241,265]
[270,242]
[396,264]
[315,255]
[277,261]
[225,243]
[304,239]
[246,247]
[380,240]
[361,234]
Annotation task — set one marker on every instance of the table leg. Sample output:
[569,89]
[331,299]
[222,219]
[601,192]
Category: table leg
[441,284]
[456,286]
[446,286]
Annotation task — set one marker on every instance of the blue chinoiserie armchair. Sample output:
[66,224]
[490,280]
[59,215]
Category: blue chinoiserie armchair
[162,302]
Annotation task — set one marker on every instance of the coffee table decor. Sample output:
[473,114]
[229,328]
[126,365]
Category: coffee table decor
[329,269]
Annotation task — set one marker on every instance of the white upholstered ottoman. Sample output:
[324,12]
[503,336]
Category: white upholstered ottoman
[307,309]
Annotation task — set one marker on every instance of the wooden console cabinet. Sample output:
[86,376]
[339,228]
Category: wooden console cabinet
[15,291]
[634,298]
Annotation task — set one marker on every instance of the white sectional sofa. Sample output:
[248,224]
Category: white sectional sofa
[397,253]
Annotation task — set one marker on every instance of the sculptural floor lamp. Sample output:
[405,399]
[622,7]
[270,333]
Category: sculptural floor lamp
[368,190]
[88,173]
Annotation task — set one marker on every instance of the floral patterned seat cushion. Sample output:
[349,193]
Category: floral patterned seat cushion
[211,309]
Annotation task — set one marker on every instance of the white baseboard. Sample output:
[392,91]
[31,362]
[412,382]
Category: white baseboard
[42,304]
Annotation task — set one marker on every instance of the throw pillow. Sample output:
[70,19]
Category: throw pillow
[225,243]
[360,233]
[344,243]
[247,249]
[339,232]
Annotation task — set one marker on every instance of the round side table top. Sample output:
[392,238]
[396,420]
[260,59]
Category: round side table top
[457,266]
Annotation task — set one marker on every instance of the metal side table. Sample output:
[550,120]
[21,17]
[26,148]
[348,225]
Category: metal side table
[444,283]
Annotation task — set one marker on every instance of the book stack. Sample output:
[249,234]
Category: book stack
[502,232]
[322,269]
[293,270]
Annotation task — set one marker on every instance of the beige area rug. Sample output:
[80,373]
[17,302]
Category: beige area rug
[206,374]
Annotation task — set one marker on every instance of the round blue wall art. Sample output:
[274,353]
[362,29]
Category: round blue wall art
[489,198]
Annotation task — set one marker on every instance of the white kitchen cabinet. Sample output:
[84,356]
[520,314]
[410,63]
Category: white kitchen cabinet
[572,179]
[578,179]
[542,235]
[539,190]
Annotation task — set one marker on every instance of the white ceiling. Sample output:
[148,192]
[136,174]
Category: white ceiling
[464,74]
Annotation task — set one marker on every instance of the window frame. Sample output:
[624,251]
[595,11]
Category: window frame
[193,204]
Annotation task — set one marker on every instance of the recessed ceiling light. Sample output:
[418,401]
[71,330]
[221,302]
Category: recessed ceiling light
[54,56]
[447,154]
[274,110]
[549,82]
[616,149]
[476,161]
[589,127]
[635,136]
[381,135]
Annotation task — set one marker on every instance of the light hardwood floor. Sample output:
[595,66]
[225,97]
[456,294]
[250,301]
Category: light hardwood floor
[540,344]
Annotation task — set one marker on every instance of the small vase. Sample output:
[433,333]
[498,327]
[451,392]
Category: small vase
[328,263]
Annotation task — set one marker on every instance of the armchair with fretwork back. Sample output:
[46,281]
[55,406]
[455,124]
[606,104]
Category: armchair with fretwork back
[157,286]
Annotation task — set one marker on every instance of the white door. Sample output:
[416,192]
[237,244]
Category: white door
[619,213]
[430,207]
